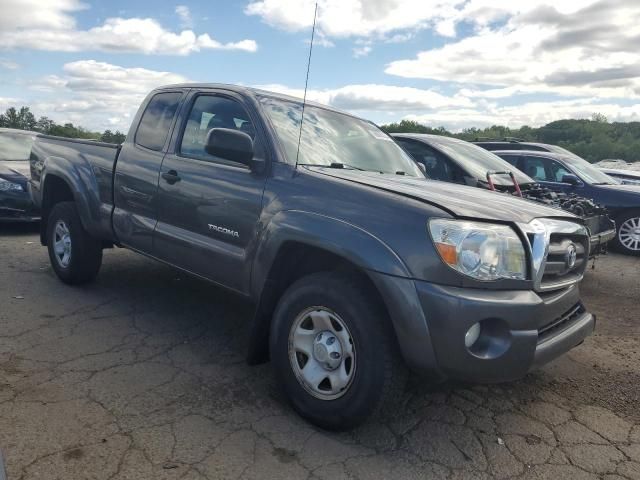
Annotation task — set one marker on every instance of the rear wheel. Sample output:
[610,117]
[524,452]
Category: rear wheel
[75,255]
[627,238]
[334,351]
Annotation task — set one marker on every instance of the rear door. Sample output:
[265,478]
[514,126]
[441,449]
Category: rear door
[137,168]
[209,208]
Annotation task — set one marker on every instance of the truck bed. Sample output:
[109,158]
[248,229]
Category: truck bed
[87,166]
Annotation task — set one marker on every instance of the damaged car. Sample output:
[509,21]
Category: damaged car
[456,161]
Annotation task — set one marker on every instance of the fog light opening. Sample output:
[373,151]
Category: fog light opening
[472,335]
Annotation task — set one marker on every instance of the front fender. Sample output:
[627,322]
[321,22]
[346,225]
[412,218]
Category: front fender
[331,234]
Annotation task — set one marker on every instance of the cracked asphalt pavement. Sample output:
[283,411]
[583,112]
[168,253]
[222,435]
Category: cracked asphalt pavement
[141,375]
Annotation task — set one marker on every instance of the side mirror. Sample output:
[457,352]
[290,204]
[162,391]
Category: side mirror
[230,144]
[571,179]
[422,168]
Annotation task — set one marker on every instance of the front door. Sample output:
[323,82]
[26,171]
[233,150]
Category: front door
[209,208]
[547,171]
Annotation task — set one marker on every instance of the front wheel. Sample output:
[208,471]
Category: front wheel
[334,351]
[627,238]
[75,255]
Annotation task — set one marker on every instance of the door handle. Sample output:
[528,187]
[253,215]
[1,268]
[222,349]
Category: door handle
[171,177]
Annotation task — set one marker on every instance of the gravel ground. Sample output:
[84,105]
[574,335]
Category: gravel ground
[142,376]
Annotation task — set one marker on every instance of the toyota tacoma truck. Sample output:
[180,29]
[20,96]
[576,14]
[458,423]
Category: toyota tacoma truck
[358,265]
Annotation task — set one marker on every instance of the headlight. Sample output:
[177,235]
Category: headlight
[7,186]
[480,250]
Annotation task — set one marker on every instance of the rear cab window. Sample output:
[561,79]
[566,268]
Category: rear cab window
[156,120]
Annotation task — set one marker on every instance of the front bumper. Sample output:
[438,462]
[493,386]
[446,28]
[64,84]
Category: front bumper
[602,230]
[599,241]
[520,329]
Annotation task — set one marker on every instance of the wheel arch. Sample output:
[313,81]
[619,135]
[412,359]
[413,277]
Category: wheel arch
[63,180]
[296,244]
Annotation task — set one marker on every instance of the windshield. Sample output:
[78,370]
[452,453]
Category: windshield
[477,161]
[587,172]
[15,146]
[335,138]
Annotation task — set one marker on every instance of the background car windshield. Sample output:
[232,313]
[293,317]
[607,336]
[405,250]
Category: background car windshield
[478,161]
[15,146]
[587,172]
[330,137]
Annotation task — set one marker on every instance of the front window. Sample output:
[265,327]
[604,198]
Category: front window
[15,146]
[331,138]
[587,172]
[478,161]
[214,111]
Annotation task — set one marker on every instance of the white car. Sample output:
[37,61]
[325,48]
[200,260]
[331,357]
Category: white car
[626,173]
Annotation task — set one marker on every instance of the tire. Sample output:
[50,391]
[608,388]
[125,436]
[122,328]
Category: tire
[79,263]
[627,239]
[372,363]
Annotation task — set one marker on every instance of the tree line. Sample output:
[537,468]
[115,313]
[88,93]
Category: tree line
[23,119]
[595,139]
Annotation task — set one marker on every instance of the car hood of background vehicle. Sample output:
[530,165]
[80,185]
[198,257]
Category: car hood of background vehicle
[461,201]
[631,189]
[15,170]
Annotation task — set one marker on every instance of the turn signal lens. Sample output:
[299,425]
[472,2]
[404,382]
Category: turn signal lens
[448,253]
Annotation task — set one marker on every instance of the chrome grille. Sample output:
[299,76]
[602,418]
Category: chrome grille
[557,270]
[552,242]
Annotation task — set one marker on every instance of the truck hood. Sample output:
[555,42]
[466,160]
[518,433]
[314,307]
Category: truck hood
[15,169]
[458,200]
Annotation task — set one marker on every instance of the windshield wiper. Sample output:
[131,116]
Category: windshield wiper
[334,165]
[345,165]
[603,183]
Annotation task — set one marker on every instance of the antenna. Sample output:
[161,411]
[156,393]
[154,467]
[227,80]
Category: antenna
[306,82]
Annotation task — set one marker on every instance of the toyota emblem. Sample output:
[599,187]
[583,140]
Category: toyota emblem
[571,256]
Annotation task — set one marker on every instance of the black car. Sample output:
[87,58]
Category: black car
[456,161]
[15,201]
[567,172]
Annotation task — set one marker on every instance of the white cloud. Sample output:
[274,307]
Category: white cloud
[353,18]
[184,14]
[54,15]
[362,51]
[9,64]
[586,48]
[532,113]
[53,28]
[96,95]
[378,98]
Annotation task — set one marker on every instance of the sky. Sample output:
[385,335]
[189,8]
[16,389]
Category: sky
[451,63]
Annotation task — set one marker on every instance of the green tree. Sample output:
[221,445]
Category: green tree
[21,119]
[112,137]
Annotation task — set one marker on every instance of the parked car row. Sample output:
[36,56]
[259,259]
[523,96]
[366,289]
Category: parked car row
[451,160]
[15,201]
[562,171]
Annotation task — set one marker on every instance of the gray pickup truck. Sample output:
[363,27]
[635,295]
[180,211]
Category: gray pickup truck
[358,266]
